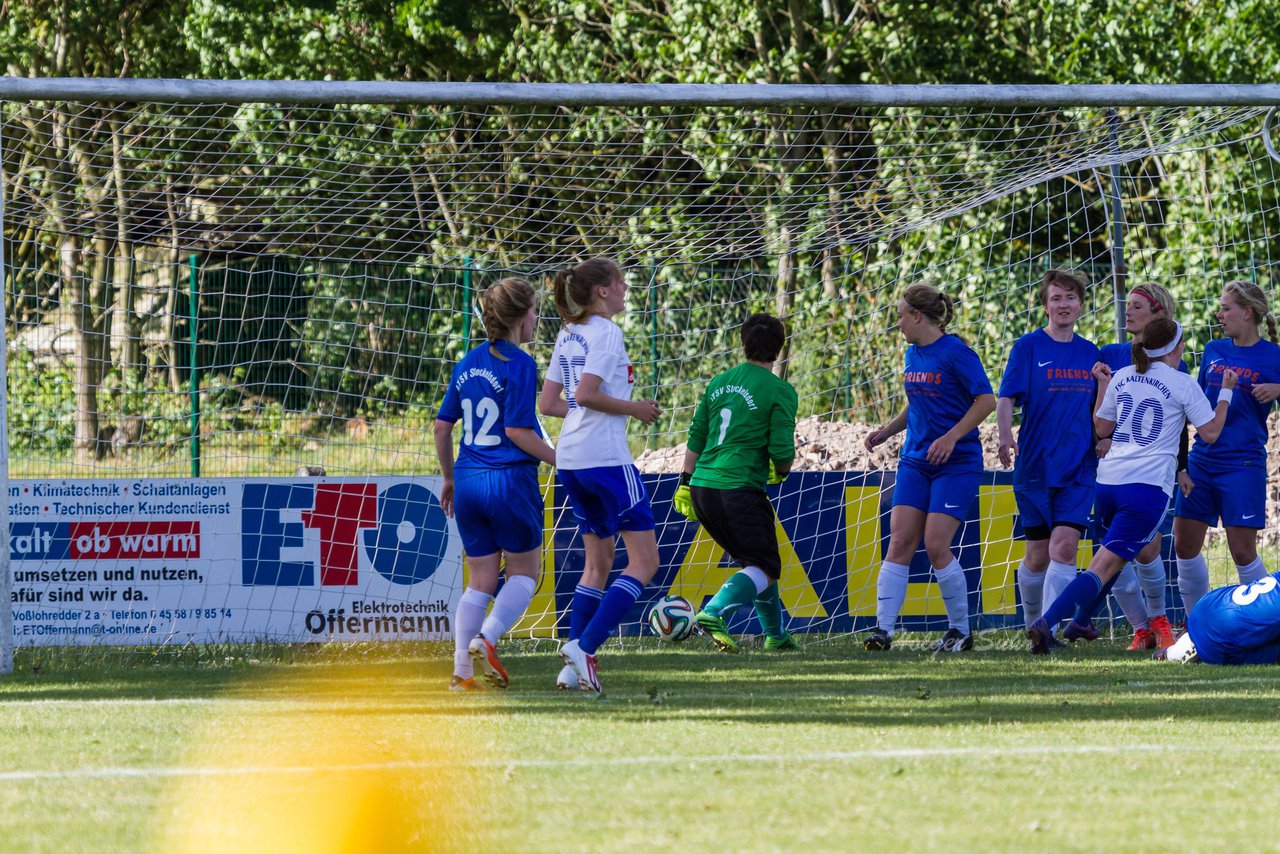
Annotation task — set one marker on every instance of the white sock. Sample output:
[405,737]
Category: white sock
[508,607]
[1252,571]
[1031,586]
[955,595]
[891,592]
[466,625]
[1193,580]
[1128,593]
[758,578]
[1056,579]
[1152,579]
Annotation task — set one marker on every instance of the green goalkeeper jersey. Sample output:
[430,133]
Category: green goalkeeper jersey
[747,416]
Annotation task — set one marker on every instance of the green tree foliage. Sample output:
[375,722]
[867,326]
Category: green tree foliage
[806,212]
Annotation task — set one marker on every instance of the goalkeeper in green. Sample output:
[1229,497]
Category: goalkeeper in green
[742,437]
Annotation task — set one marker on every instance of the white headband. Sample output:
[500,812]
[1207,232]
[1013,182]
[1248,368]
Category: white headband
[1168,348]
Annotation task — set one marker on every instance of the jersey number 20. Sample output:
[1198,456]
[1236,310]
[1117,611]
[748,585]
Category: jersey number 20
[1131,419]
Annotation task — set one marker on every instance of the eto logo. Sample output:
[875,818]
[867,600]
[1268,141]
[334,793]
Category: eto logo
[401,531]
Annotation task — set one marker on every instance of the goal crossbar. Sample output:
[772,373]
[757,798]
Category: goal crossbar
[634,94]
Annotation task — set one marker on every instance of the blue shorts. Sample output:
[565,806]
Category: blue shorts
[1044,508]
[1131,515]
[608,499]
[1236,495]
[935,489]
[498,509]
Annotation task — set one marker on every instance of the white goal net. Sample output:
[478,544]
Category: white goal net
[229,324]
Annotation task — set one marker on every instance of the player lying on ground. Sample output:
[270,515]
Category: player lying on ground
[1239,624]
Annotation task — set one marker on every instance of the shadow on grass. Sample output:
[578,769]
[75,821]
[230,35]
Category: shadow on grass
[834,683]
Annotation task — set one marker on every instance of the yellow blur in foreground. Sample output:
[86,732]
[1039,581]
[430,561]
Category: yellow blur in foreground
[323,766]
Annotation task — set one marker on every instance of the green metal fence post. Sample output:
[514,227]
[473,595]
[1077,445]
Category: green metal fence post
[194,313]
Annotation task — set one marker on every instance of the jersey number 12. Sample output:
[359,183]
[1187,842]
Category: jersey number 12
[486,409]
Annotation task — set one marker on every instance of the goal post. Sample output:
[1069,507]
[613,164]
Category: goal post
[267,282]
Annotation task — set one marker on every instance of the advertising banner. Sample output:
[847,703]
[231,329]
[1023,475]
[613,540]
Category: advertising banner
[355,559]
[177,561]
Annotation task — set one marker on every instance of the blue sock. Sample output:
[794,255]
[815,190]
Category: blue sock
[583,607]
[1085,613]
[1081,591]
[615,605]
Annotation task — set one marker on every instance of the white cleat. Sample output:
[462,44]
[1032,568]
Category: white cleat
[1183,651]
[567,680]
[583,664]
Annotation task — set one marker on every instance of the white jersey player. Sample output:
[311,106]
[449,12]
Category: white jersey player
[589,385]
[1143,410]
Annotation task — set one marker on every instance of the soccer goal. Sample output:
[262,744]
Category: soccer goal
[231,306]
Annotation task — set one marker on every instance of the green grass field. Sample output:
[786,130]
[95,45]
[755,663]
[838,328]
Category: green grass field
[833,748]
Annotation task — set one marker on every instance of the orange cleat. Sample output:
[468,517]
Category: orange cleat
[484,657]
[1143,639]
[1163,631]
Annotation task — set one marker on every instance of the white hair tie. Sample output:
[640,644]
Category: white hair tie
[1168,348]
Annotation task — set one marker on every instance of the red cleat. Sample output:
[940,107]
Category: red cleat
[484,655]
[1163,631]
[1142,639]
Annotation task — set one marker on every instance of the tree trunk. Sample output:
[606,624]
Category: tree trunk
[171,318]
[785,297]
[86,387]
[125,267]
[171,302]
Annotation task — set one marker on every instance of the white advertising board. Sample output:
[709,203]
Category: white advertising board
[149,561]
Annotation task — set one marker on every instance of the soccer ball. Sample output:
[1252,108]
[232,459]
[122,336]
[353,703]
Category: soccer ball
[671,618]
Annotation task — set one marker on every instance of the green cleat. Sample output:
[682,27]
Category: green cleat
[786,642]
[715,629]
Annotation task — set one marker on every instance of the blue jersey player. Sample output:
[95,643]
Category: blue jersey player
[1140,587]
[1228,479]
[492,488]
[1233,625]
[1143,409]
[948,396]
[1050,376]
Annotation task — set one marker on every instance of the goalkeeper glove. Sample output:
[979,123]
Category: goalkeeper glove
[684,500]
[774,477]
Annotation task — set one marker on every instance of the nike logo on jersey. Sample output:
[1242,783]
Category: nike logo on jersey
[1042,364]
[950,506]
